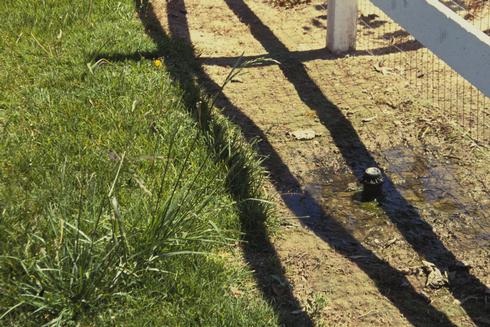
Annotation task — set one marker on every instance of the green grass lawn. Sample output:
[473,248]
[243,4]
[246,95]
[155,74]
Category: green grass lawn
[114,208]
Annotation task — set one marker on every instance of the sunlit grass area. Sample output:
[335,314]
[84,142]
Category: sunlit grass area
[115,206]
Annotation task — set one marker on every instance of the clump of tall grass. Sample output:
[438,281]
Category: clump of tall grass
[245,173]
[97,246]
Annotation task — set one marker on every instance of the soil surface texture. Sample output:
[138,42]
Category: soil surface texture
[419,253]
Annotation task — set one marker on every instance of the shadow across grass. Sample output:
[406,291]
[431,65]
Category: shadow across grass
[258,249]
[244,177]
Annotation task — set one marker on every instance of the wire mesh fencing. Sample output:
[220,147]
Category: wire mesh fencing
[403,100]
[435,83]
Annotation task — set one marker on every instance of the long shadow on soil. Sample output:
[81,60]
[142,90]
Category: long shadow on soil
[413,227]
[259,251]
[386,277]
[309,55]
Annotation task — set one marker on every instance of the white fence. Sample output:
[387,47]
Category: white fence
[461,45]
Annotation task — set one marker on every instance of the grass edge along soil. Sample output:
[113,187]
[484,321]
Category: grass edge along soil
[116,206]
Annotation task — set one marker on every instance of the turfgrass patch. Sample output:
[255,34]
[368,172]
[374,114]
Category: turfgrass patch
[114,204]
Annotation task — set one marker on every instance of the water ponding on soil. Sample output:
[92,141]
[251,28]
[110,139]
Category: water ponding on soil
[429,191]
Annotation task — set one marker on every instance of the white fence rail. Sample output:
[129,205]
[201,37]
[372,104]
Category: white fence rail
[457,42]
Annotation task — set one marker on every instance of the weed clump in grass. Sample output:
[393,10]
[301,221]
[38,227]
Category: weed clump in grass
[97,238]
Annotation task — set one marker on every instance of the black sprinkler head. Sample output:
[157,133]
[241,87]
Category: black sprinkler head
[373,184]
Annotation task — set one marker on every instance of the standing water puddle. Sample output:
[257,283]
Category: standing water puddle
[417,189]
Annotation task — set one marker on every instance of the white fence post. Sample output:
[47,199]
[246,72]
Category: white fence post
[341,25]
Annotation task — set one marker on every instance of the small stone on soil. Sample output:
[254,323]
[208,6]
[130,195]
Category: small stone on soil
[304,135]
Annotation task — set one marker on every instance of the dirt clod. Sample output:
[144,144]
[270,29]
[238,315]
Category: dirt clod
[304,135]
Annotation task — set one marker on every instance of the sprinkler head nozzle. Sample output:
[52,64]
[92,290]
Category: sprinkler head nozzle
[373,182]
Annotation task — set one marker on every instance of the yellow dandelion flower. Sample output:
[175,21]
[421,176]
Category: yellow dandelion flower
[157,63]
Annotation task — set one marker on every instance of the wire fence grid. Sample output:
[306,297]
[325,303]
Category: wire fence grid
[441,87]
[445,95]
